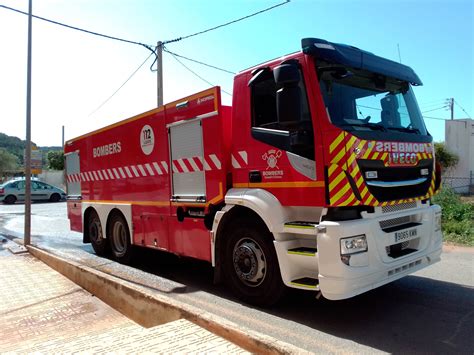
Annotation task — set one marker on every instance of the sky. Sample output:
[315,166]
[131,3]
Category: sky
[74,73]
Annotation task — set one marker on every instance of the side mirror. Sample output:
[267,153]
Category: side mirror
[288,97]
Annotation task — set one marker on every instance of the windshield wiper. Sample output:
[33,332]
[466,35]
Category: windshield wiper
[405,129]
[373,126]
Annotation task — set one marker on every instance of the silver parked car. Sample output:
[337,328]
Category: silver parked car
[14,190]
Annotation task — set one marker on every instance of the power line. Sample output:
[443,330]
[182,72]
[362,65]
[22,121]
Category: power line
[198,62]
[436,109]
[121,86]
[457,103]
[79,29]
[435,118]
[227,23]
[196,74]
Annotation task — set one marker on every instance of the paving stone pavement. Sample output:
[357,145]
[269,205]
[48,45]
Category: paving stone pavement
[42,311]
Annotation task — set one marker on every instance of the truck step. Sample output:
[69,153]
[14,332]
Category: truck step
[306,282]
[301,227]
[301,224]
[303,251]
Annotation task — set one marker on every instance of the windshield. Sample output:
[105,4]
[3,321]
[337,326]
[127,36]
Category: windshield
[359,101]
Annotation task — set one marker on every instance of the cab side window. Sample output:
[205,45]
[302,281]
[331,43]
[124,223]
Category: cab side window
[296,135]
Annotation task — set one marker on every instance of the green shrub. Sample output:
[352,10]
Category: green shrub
[458,217]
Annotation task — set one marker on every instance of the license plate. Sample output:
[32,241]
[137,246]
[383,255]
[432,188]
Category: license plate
[405,235]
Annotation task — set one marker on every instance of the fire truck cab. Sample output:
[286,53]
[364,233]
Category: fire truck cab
[319,177]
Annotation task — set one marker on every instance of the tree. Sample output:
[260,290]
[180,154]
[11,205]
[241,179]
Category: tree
[8,161]
[446,158]
[55,160]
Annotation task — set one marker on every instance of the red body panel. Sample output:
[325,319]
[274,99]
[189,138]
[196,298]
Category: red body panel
[118,164]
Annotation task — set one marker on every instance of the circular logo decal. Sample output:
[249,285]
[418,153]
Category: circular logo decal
[147,139]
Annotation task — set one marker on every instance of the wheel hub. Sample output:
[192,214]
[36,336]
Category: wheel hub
[249,262]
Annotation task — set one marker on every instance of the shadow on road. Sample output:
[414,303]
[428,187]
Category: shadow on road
[414,314]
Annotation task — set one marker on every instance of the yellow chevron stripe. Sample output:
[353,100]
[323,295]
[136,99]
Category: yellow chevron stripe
[331,169]
[341,193]
[336,181]
[368,150]
[336,142]
[376,154]
[369,200]
[364,192]
[348,201]
[339,156]
[350,143]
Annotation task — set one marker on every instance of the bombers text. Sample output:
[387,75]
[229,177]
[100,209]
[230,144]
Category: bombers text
[108,149]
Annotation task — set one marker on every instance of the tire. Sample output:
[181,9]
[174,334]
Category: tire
[9,200]
[119,237]
[251,265]
[55,198]
[96,236]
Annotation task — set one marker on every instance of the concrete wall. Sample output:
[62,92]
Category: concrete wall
[53,177]
[459,139]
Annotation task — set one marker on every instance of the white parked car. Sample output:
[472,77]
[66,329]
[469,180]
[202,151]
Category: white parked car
[14,190]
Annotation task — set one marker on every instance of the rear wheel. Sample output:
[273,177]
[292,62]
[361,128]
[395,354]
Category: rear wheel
[55,198]
[119,237]
[9,200]
[251,265]
[96,236]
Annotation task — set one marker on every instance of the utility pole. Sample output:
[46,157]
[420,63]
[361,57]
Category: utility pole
[451,107]
[63,139]
[159,67]
[27,233]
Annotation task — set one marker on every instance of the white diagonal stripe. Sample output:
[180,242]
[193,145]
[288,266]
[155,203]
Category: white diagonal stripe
[235,163]
[243,155]
[165,166]
[142,171]
[127,170]
[216,161]
[122,174]
[150,170]
[91,177]
[106,176]
[100,175]
[193,164]
[116,173]
[135,171]
[183,166]
[96,178]
[110,174]
[204,163]
[157,168]
[82,177]
[175,169]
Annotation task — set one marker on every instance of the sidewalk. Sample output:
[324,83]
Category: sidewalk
[42,311]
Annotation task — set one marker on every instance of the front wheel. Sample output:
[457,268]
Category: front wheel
[119,237]
[251,264]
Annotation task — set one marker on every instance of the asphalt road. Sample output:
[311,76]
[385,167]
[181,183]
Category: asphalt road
[431,311]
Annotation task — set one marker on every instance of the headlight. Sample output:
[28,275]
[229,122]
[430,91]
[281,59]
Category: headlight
[353,245]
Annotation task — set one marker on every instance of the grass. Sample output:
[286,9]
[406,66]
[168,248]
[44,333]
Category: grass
[458,217]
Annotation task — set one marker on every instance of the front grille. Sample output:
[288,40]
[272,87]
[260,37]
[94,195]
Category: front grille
[398,207]
[394,222]
[394,174]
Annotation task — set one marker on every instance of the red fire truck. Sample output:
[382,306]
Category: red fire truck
[319,177]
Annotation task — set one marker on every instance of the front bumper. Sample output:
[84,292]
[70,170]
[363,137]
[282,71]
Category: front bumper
[374,268]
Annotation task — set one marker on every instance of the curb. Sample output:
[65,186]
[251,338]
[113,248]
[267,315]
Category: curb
[150,309]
